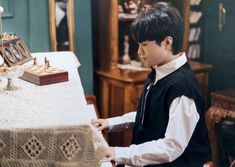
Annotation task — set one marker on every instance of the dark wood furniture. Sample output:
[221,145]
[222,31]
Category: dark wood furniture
[45,75]
[91,99]
[109,31]
[222,109]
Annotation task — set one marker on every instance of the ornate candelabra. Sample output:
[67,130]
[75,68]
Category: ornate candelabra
[1,37]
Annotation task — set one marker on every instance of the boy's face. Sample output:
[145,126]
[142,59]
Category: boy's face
[153,53]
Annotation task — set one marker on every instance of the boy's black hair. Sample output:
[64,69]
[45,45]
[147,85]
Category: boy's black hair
[156,23]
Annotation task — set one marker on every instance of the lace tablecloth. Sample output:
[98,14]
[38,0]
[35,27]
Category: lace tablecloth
[57,106]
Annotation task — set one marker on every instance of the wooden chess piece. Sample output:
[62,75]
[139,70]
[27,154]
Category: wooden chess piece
[45,60]
[35,61]
[126,58]
[48,64]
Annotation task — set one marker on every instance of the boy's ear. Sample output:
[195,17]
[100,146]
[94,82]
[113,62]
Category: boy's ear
[167,42]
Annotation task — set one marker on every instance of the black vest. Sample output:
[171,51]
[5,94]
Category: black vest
[153,115]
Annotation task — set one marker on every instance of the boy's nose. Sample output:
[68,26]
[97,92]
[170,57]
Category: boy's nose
[140,51]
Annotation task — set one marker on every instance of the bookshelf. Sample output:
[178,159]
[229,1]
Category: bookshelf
[195,30]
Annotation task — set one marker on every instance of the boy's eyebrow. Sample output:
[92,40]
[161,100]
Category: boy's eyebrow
[142,42]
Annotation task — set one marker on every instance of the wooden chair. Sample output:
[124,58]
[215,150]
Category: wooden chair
[91,99]
[220,119]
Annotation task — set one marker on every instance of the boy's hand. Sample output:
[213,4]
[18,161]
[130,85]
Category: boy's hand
[100,124]
[109,154]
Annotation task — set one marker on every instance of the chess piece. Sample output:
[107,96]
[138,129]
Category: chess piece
[126,58]
[46,61]
[35,61]
[48,64]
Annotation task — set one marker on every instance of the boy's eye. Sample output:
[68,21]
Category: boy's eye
[144,44]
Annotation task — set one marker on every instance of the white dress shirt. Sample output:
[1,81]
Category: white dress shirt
[183,117]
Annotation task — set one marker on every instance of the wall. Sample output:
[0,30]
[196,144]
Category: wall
[219,47]
[30,21]
[84,42]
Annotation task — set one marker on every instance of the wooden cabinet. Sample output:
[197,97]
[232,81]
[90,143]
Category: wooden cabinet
[109,29]
[120,91]
[117,90]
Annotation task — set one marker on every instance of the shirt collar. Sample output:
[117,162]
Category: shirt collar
[168,68]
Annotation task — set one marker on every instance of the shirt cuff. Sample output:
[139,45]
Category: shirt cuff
[122,155]
[114,121]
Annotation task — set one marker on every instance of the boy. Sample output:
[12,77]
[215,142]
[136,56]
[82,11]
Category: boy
[169,127]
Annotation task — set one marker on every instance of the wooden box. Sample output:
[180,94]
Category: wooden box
[40,75]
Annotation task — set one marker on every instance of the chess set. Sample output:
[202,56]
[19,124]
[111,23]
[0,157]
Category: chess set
[15,53]
[44,74]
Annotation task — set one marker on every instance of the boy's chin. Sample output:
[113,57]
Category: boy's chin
[144,63]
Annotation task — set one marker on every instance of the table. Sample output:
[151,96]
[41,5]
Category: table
[52,106]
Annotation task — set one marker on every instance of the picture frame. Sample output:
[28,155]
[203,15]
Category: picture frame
[53,24]
[8,6]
